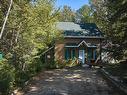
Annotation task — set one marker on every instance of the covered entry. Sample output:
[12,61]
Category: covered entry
[84,52]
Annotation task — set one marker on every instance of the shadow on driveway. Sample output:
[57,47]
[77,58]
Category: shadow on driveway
[70,81]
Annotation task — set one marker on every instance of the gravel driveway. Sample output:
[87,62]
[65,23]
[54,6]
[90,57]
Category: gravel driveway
[72,81]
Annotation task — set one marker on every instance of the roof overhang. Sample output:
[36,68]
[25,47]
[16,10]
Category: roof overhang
[83,42]
[90,37]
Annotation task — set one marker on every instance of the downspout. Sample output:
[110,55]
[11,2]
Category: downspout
[5,21]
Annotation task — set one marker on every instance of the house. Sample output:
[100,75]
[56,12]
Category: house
[80,41]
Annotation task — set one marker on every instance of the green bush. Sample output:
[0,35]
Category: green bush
[35,67]
[21,77]
[60,65]
[72,62]
[32,68]
[7,77]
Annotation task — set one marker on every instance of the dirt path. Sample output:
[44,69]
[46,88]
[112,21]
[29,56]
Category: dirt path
[73,81]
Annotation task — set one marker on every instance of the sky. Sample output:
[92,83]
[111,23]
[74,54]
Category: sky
[74,4]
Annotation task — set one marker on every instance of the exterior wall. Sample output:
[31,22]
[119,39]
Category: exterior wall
[60,50]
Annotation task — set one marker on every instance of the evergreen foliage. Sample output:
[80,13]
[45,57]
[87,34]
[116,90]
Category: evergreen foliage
[67,14]
[111,18]
[85,13]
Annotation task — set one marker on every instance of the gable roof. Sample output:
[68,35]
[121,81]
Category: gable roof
[79,30]
[68,26]
[79,44]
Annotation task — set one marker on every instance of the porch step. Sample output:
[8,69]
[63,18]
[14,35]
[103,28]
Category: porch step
[85,65]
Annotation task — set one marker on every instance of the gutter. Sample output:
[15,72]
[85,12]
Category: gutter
[84,37]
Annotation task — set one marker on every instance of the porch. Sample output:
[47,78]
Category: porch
[84,52]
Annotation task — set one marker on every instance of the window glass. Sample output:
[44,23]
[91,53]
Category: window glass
[94,55]
[69,54]
[66,54]
[73,54]
[89,54]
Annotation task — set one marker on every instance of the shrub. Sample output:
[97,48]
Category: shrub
[21,77]
[49,65]
[7,77]
[72,62]
[35,66]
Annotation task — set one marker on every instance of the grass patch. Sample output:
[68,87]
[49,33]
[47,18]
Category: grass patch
[59,65]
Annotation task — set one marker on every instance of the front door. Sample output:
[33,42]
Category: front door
[82,56]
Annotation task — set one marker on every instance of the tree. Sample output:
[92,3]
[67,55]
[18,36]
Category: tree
[6,18]
[34,21]
[85,13]
[66,14]
[30,27]
[111,17]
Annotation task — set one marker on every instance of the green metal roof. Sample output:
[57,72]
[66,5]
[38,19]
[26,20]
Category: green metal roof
[68,26]
[84,30]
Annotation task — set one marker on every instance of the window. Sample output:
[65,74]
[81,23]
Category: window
[73,54]
[69,53]
[90,54]
[94,55]
[66,54]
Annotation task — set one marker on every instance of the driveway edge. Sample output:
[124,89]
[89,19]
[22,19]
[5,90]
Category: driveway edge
[114,80]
